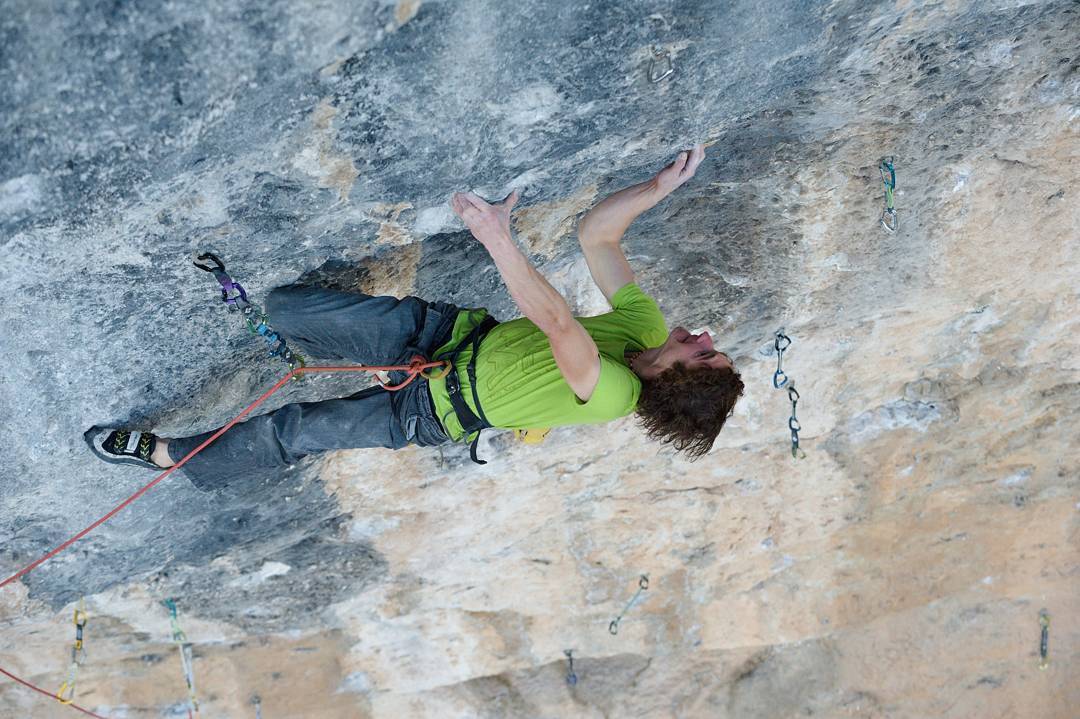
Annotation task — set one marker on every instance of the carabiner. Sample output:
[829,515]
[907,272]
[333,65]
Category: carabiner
[66,687]
[888,221]
[660,56]
[781,343]
[79,621]
[219,266]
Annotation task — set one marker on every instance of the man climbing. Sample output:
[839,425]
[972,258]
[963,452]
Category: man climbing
[545,369]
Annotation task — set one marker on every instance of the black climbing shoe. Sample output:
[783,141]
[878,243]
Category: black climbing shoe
[122,446]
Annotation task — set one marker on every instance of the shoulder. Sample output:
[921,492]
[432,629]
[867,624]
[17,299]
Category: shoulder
[617,390]
[642,312]
[630,295]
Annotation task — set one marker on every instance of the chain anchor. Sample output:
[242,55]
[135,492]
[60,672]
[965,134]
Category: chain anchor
[793,424]
[781,380]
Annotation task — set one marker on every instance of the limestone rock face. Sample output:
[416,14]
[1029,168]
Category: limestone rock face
[898,569]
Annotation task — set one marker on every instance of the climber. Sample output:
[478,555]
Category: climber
[542,370]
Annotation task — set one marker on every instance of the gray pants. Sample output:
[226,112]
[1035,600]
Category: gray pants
[344,327]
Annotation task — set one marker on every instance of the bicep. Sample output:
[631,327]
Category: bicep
[577,358]
[608,267]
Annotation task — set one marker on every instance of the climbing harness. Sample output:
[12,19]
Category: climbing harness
[571,678]
[660,64]
[888,177]
[180,639]
[793,423]
[643,584]
[235,298]
[66,693]
[1044,639]
[779,378]
[471,423]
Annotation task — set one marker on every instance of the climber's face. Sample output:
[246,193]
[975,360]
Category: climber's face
[691,351]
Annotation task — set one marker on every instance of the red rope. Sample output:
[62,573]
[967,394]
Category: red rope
[48,694]
[415,369]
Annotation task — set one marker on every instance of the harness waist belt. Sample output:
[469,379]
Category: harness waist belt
[469,420]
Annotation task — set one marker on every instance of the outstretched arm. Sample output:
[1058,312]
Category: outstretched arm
[602,228]
[575,352]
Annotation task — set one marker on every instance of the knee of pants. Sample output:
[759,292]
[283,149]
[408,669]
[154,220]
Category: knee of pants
[285,307]
[280,298]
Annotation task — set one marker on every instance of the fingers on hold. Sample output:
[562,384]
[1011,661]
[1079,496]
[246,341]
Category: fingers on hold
[461,206]
[695,159]
[475,200]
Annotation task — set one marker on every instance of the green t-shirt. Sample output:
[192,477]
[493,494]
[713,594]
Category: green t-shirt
[519,384]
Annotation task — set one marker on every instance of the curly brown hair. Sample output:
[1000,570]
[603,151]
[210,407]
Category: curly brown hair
[688,407]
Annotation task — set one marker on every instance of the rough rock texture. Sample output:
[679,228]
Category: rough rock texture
[896,571]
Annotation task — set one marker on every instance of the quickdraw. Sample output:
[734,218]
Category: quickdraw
[66,693]
[180,639]
[643,584]
[571,678]
[1044,639]
[888,177]
[780,380]
[235,298]
[660,64]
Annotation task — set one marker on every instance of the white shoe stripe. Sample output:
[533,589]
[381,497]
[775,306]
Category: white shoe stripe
[133,441]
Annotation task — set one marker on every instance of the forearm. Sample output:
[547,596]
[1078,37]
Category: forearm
[532,293]
[608,220]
